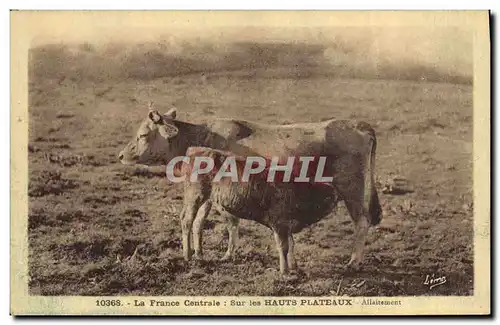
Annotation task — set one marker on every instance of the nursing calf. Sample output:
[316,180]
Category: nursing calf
[285,207]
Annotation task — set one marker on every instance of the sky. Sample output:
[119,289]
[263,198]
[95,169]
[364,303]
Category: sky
[438,39]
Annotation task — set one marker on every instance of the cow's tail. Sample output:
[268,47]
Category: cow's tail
[371,201]
[375,210]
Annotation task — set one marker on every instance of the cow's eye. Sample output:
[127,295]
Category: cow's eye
[143,135]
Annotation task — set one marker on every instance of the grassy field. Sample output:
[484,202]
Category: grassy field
[97,227]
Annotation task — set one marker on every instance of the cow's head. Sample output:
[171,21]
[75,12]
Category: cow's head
[154,143]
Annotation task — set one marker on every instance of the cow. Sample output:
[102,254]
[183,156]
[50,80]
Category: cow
[349,146]
[286,207]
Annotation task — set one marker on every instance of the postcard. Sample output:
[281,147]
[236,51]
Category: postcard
[250,163]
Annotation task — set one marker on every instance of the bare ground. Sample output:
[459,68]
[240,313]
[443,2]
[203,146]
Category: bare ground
[97,227]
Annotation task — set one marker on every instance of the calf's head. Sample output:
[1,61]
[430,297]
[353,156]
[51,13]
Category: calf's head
[155,141]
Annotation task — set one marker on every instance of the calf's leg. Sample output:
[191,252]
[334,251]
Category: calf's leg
[189,212]
[202,213]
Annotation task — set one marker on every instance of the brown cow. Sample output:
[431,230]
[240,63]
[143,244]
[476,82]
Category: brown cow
[349,146]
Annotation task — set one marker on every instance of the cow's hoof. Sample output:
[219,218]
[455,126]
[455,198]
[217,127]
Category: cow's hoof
[352,267]
[290,276]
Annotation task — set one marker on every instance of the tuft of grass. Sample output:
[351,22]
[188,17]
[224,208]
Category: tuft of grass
[49,182]
[64,115]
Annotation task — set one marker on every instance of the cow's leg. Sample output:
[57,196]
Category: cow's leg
[292,264]
[360,218]
[232,228]
[281,235]
[188,217]
[350,177]
[198,229]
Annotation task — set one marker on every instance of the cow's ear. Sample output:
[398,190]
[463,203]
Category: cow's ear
[168,130]
[155,116]
[172,113]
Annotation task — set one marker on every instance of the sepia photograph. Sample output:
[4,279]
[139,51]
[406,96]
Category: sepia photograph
[197,163]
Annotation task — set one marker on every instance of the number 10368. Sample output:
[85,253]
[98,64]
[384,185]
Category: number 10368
[108,303]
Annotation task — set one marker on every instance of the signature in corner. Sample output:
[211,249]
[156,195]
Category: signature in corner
[433,281]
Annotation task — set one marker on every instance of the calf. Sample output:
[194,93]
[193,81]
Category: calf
[284,207]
